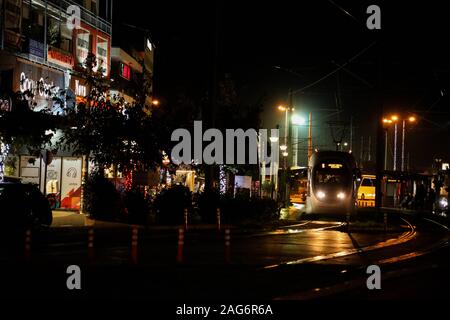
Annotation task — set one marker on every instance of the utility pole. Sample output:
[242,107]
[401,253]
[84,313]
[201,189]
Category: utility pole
[379,136]
[361,152]
[209,112]
[351,134]
[385,149]
[310,145]
[395,146]
[403,145]
[289,148]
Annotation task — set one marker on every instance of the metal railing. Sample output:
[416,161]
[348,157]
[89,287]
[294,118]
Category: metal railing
[86,16]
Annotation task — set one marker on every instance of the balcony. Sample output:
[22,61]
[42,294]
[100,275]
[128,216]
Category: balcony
[86,16]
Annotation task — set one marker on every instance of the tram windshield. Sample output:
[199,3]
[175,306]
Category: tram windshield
[332,174]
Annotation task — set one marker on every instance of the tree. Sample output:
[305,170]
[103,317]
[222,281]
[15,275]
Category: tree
[108,131]
[21,128]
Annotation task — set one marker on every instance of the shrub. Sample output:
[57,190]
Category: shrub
[101,199]
[136,207]
[169,205]
[208,202]
[240,211]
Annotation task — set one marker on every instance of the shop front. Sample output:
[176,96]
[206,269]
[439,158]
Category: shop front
[60,181]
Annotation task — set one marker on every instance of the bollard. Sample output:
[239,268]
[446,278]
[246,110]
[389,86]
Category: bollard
[91,244]
[185,219]
[227,246]
[385,221]
[134,245]
[27,245]
[218,218]
[180,245]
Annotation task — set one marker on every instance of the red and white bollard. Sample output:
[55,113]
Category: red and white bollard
[27,244]
[180,245]
[134,245]
[185,219]
[218,218]
[91,245]
[227,245]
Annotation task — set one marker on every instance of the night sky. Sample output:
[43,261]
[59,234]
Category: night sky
[410,60]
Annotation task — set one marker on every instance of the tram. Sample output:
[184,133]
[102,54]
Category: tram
[331,183]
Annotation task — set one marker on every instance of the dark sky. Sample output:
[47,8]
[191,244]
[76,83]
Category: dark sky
[410,60]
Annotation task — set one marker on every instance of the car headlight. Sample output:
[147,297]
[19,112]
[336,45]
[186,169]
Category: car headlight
[321,195]
[341,195]
[443,202]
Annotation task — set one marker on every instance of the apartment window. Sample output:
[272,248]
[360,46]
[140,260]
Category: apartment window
[66,38]
[102,54]
[125,71]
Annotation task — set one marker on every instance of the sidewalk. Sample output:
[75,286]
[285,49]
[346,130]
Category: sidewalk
[64,219]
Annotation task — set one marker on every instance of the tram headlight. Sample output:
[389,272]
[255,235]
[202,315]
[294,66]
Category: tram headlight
[341,195]
[321,195]
[443,202]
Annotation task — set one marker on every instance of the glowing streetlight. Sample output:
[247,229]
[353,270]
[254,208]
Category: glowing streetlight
[298,120]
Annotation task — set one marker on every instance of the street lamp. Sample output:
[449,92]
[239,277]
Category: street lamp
[298,120]
[394,119]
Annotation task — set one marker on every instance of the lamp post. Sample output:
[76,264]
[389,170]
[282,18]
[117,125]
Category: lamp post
[286,148]
[394,120]
[411,119]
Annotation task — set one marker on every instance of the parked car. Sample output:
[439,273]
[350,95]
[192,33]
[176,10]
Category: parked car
[23,205]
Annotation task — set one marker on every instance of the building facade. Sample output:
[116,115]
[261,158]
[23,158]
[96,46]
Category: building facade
[132,72]
[43,46]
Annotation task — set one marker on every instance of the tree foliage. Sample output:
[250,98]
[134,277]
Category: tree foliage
[108,130]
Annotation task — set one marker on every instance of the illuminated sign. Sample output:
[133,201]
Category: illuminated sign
[59,57]
[125,71]
[80,90]
[39,87]
[332,166]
